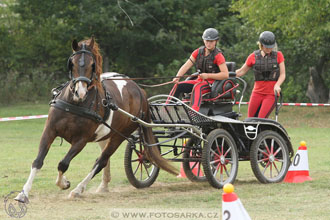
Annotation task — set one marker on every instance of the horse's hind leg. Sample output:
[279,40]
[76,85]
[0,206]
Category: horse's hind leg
[61,180]
[100,163]
[106,176]
[47,139]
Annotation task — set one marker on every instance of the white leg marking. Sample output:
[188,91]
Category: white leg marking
[82,185]
[106,176]
[22,196]
[61,181]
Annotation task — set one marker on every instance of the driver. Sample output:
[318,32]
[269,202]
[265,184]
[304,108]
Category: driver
[211,65]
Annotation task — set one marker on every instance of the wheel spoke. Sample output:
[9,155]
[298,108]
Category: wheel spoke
[277,151]
[138,153]
[212,151]
[226,170]
[265,168]
[276,168]
[222,145]
[137,168]
[145,167]
[215,161]
[194,165]
[229,149]
[266,146]
[221,174]
[216,170]
[263,152]
[272,146]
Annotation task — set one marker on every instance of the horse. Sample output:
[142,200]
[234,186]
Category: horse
[81,112]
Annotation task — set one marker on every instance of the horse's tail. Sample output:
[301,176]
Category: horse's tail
[153,152]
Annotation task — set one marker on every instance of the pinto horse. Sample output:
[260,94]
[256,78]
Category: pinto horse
[80,113]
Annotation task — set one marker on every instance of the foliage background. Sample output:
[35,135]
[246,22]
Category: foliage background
[36,38]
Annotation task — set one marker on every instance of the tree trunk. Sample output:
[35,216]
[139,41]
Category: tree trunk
[105,64]
[317,91]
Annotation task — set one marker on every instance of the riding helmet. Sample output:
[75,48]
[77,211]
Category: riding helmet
[210,34]
[267,39]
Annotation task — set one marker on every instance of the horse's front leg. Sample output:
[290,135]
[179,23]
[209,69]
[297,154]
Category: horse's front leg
[63,166]
[100,163]
[106,176]
[47,139]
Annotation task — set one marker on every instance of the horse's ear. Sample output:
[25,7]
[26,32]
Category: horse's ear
[74,45]
[91,45]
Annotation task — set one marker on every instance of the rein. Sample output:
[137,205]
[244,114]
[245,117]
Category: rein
[145,78]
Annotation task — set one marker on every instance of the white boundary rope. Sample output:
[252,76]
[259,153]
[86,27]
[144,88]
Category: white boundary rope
[243,103]
[23,118]
[298,104]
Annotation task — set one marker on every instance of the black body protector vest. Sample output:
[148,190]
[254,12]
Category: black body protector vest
[266,68]
[205,64]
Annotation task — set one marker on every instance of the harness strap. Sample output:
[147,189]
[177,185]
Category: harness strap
[82,111]
[85,112]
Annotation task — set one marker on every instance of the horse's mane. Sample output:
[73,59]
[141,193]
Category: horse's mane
[97,55]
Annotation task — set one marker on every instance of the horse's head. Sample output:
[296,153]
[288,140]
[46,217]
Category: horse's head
[81,65]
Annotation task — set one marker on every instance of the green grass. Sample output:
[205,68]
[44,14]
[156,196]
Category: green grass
[19,146]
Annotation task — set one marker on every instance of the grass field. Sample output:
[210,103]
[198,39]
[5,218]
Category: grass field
[19,145]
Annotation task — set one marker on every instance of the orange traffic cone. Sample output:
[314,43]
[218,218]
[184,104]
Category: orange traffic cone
[299,171]
[232,208]
[194,170]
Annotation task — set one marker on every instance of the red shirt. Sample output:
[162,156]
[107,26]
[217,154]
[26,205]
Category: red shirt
[218,59]
[263,87]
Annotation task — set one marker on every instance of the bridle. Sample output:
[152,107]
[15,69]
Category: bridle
[81,63]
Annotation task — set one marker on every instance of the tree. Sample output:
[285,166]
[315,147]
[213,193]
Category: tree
[304,29]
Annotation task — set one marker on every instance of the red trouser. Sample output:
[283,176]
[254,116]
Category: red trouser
[196,86]
[261,105]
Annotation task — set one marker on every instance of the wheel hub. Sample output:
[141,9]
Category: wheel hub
[271,158]
[222,159]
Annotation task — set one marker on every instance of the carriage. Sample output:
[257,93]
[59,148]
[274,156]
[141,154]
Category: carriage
[210,143]
[108,108]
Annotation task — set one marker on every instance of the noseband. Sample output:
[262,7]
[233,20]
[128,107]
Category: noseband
[81,63]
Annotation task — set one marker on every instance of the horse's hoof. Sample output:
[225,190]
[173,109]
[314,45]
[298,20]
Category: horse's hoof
[73,195]
[68,184]
[102,190]
[21,197]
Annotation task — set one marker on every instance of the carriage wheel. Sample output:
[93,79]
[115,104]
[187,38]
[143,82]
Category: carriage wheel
[193,170]
[269,157]
[220,158]
[140,172]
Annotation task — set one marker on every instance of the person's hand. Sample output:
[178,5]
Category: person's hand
[277,90]
[203,76]
[176,80]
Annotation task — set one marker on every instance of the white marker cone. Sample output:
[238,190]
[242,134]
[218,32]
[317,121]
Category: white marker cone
[299,171]
[232,208]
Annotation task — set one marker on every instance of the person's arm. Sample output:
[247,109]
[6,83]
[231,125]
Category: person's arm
[223,74]
[243,70]
[281,78]
[184,68]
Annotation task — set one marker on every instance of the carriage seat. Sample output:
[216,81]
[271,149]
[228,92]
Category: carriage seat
[221,86]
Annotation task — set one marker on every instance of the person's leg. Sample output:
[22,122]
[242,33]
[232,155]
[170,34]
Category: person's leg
[254,104]
[182,87]
[267,106]
[196,96]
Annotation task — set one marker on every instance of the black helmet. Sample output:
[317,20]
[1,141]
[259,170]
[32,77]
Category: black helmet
[267,39]
[210,34]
